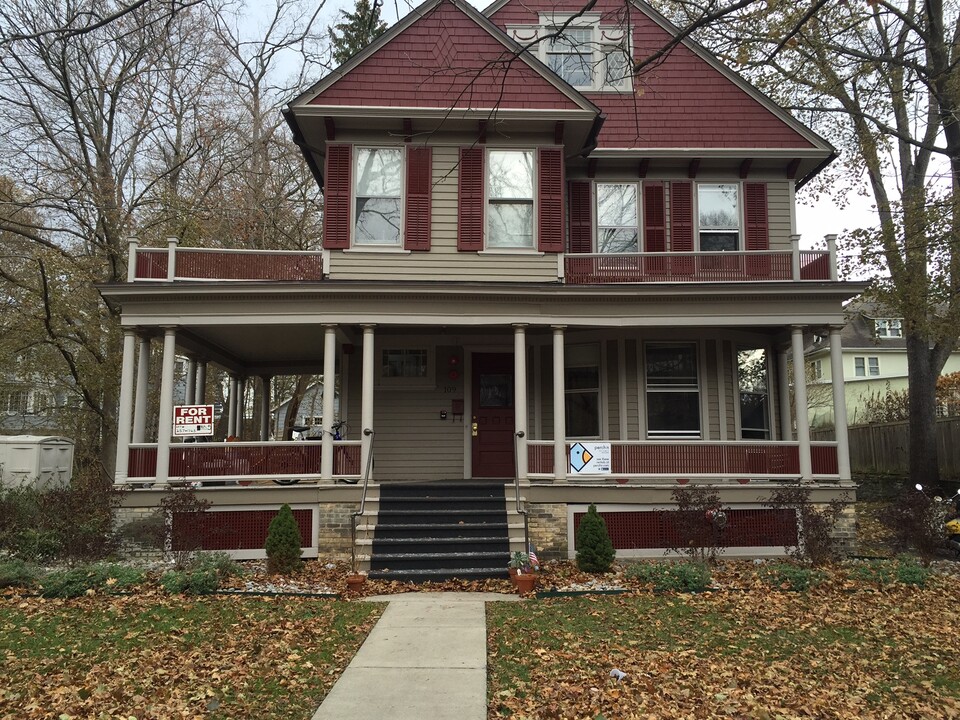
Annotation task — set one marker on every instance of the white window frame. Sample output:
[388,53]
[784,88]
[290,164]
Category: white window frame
[604,40]
[488,201]
[696,389]
[398,381]
[817,366]
[596,214]
[740,215]
[353,197]
[888,327]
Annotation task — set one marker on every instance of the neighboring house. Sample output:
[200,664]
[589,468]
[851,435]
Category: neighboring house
[30,407]
[310,413]
[874,361]
[535,268]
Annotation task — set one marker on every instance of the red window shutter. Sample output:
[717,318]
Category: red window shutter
[470,214]
[681,217]
[755,206]
[416,219]
[581,217]
[654,218]
[336,197]
[550,200]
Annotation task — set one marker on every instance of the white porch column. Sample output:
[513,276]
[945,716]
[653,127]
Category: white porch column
[839,403]
[783,395]
[520,397]
[264,408]
[140,402]
[125,414]
[165,421]
[366,396]
[190,389]
[240,407]
[132,245]
[172,243]
[800,396]
[832,249]
[795,257]
[201,391]
[232,407]
[329,389]
[559,408]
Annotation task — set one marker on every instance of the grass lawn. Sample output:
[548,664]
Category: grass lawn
[160,656]
[841,650]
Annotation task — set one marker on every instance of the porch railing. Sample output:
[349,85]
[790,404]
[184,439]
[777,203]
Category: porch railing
[220,264]
[728,459]
[583,269]
[246,460]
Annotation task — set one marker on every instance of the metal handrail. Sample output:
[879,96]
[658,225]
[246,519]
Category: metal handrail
[363,500]
[516,484]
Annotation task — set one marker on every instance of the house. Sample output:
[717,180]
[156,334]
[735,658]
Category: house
[539,274]
[874,361]
[309,413]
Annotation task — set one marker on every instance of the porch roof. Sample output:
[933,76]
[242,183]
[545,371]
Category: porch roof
[271,328]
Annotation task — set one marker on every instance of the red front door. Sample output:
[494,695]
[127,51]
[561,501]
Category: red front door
[493,447]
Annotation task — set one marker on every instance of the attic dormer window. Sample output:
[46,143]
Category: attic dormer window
[888,328]
[584,53]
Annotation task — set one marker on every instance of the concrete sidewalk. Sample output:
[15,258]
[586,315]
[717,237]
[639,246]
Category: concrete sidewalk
[426,659]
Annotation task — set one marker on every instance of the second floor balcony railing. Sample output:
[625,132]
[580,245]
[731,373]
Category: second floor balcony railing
[173,263]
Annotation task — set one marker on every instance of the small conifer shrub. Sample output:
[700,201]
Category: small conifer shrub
[283,543]
[595,551]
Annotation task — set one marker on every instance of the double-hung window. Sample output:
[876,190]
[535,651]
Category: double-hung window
[510,190]
[866,366]
[378,196]
[617,215]
[889,328]
[673,390]
[718,207]
[570,55]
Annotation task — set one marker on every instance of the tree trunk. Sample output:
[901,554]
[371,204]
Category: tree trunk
[924,461]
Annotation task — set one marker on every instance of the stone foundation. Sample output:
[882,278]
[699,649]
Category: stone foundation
[334,533]
[548,529]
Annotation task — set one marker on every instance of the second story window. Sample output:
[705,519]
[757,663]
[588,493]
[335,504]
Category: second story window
[378,196]
[510,187]
[570,55]
[719,216]
[617,214]
[889,328]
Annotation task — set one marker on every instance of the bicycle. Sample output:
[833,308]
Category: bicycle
[339,430]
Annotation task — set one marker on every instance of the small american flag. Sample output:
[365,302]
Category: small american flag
[534,562]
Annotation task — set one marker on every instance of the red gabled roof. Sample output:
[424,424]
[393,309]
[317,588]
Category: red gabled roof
[686,101]
[445,59]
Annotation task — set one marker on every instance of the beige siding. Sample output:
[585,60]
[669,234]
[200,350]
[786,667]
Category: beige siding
[613,390]
[443,261]
[778,215]
[709,386]
[633,407]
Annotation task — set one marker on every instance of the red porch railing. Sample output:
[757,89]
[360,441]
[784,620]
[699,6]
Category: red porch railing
[582,269]
[239,460]
[735,459]
[215,264]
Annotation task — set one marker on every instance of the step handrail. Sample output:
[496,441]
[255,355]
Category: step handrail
[516,485]
[363,500]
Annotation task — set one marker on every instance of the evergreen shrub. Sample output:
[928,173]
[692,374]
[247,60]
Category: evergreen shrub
[283,543]
[595,551]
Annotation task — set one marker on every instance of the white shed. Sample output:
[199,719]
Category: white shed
[41,461]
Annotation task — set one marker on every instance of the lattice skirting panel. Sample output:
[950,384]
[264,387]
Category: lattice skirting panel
[749,531]
[241,532]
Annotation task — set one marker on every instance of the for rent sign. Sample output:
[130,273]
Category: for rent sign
[192,420]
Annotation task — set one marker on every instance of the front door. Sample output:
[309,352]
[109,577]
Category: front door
[493,447]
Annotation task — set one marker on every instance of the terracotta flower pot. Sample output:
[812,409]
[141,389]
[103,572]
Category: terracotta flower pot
[526,583]
[513,574]
[355,582]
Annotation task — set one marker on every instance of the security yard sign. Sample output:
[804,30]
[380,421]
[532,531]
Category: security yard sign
[192,420]
[590,458]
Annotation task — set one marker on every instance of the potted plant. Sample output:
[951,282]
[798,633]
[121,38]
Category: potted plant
[522,572]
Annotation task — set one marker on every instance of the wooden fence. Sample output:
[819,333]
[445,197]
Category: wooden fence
[884,448]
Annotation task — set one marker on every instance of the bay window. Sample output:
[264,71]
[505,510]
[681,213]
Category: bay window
[378,196]
[510,188]
[673,390]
